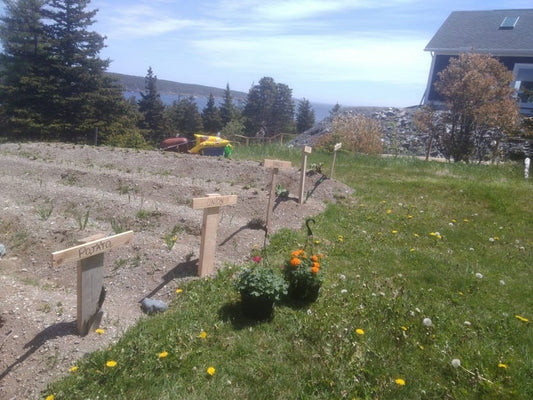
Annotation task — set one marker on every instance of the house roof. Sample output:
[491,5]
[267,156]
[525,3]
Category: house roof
[481,31]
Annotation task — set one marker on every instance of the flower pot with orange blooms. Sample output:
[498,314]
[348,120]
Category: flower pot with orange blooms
[304,274]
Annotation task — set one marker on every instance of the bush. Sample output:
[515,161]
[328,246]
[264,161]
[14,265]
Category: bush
[357,133]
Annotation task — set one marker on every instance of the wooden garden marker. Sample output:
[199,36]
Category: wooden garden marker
[211,206]
[527,162]
[90,274]
[307,150]
[275,165]
[335,149]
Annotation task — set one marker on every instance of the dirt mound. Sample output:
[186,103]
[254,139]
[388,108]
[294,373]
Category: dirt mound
[55,194]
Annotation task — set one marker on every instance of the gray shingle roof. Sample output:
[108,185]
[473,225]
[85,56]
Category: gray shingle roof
[480,31]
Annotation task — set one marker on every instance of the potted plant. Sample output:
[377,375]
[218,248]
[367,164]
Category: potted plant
[260,287]
[304,275]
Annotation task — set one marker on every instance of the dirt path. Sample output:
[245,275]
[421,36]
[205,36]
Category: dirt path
[52,195]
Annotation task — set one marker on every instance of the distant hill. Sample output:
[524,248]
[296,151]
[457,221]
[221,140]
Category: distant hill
[136,84]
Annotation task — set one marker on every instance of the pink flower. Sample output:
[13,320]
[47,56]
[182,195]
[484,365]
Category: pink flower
[257,259]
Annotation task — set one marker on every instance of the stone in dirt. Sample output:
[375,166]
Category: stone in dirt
[151,306]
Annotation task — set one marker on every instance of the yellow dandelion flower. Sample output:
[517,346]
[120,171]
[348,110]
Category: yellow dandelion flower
[317,241]
[460,293]
[341,238]
[111,364]
[501,365]
[99,331]
[178,291]
[202,335]
[399,382]
[394,231]
[389,211]
[411,249]
[466,220]
[404,328]
[73,369]
[360,331]
[421,347]
[432,234]
[211,371]
[163,354]
[520,318]
[50,397]
[454,220]
[416,235]
[409,217]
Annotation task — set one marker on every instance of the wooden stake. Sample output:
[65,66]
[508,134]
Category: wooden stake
[211,206]
[275,165]
[90,275]
[335,149]
[306,150]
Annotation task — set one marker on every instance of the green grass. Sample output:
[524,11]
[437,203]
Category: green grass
[449,242]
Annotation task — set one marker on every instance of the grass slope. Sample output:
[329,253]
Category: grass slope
[448,242]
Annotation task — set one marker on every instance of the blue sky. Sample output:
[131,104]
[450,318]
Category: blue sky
[354,52]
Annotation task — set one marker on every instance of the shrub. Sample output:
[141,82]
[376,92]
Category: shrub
[357,133]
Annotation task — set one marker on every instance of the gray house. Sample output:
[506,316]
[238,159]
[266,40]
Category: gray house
[505,34]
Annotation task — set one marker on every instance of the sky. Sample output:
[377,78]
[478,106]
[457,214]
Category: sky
[350,52]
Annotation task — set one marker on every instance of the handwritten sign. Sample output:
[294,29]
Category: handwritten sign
[213,201]
[91,248]
[277,164]
[90,275]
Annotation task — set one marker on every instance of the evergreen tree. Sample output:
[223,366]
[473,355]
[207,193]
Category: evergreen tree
[54,86]
[335,110]
[269,108]
[228,111]
[305,118]
[152,109]
[24,64]
[185,117]
[81,89]
[211,116]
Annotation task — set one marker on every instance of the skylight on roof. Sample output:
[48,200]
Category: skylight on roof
[509,22]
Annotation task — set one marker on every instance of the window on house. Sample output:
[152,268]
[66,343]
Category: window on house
[509,22]
[524,84]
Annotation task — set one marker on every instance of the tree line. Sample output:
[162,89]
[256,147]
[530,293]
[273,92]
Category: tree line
[53,86]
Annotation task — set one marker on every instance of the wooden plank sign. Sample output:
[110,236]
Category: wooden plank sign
[336,148]
[90,275]
[91,248]
[211,206]
[275,165]
[306,150]
[279,164]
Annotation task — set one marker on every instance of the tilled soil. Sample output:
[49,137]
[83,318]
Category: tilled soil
[53,195]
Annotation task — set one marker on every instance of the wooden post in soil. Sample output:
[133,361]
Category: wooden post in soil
[211,206]
[306,150]
[90,274]
[275,165]
[335,149]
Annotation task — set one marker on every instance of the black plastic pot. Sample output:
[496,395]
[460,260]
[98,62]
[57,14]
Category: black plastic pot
[258,308]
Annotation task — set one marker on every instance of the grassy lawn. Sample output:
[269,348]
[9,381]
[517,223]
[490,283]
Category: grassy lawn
[426,263]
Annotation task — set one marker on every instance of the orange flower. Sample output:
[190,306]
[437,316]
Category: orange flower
[298,253]
[316,265]
[315,270]
[295,261]
[314,258]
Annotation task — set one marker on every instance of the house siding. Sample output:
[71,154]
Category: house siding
[441,61]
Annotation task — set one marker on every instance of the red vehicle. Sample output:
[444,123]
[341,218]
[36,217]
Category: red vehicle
[179,144]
